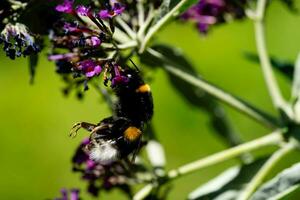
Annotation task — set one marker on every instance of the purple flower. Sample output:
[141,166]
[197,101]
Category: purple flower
[117,9]
[89,68]
[94,72]
[85,141]
[74,194]
[80,156]
[82,10]
[66,7]
[95,41]
[56,57]
[118,78]
[90,164]
[64,194]
[72,28]
[68,27]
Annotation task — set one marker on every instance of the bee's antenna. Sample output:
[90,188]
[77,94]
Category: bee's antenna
[137,69]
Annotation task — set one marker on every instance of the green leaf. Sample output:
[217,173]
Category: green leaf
[188,5]
[283,66]
[33,61]
[193,95]
[283,184]
[228,184]
[291,5]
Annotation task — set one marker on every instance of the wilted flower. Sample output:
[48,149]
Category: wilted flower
[17,40]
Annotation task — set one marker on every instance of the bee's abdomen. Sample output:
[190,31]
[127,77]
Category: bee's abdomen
[135,103]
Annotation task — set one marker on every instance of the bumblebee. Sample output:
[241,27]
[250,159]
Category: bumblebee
[116,137]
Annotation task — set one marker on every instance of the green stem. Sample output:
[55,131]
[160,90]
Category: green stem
[269,77]
[120,36]
[127,45]
[143,192]
[265,170]
[127,29]
[288,191]
[229,99]
[144,26]
[274,138]
[159,24]
[141,12]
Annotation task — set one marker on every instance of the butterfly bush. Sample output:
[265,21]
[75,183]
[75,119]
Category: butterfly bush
[94,43]
[207,13]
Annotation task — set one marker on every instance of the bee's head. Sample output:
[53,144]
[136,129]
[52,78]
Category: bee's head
[126,78]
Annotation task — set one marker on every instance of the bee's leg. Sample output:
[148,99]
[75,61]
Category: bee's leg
[85,125]
[98,128]
[135,152]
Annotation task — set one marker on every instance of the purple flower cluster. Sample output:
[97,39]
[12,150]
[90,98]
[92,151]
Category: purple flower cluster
[17,40]
[120,174]
[110,11]
[209,12]
[77,45]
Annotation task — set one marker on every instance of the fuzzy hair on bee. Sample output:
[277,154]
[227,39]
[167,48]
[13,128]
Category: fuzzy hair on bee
[119,135]
[104,152]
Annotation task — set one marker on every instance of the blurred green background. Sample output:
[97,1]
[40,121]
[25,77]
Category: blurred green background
[35,120]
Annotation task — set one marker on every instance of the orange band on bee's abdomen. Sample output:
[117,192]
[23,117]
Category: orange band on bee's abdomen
[132,133]
[143,88]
